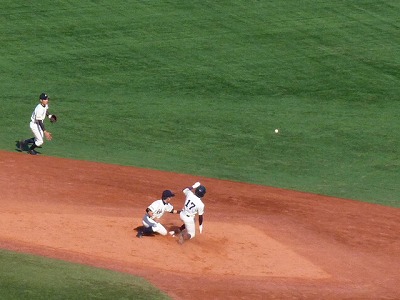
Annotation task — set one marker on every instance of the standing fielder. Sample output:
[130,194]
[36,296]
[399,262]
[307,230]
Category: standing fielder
[37,125]
[193,205]
[154,212]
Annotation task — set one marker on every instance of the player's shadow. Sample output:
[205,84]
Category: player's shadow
[138,228]
[17,147]
[25,147]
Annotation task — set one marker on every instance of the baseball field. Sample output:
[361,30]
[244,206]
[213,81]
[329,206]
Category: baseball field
[153,95]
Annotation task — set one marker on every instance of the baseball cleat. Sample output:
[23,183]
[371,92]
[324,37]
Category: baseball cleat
[32,152]
[172,233]
[139,234]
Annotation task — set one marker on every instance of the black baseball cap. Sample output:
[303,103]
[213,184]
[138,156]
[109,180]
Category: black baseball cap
[43,96]
[166,194]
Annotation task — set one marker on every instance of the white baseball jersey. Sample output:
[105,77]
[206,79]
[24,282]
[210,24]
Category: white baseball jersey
[193,204]
[159,207]
[39,113]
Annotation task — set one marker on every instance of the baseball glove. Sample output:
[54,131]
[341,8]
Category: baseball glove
[53,118]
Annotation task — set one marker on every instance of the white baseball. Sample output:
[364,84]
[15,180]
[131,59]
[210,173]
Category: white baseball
[276,130]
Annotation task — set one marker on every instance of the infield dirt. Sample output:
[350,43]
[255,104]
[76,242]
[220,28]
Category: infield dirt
[258,242]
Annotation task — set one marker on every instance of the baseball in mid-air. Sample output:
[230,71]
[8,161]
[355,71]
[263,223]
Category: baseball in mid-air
[277,130]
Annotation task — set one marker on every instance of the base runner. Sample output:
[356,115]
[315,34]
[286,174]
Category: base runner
[193,205]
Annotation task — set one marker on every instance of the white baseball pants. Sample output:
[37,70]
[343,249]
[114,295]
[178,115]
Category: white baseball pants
[37,133]
[157,227]
[189,224]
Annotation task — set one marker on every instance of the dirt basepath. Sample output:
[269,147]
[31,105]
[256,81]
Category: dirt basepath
[258,242]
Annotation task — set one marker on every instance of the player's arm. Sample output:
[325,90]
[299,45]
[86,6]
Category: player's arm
[175,211]
[41,124]
[46,133]
[190,188]
[149,212]
[49,115]
[201,223]
[187,189]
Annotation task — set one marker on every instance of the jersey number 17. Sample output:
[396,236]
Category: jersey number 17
[190,205]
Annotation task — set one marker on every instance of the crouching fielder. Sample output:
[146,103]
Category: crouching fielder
[193,205]
[154,212]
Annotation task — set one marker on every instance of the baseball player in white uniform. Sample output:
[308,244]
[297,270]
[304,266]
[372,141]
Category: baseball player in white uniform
[154,212]
[37,126]
[193,205]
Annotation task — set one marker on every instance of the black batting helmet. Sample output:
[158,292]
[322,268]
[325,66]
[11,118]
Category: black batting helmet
[200,191]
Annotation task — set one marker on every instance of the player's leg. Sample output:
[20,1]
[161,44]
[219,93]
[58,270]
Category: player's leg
[24,144]
[38,137]
[189,228]
[30,141]
[159,228]
[148,225]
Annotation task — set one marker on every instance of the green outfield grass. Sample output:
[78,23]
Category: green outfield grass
[32,277]
[199,87]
